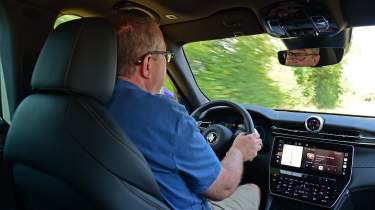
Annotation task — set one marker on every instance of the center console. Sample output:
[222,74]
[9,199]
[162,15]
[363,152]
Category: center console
[314,172]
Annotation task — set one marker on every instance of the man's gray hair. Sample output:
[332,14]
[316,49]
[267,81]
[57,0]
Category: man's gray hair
[137,33]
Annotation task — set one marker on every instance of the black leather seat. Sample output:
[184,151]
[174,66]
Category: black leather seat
[64,149]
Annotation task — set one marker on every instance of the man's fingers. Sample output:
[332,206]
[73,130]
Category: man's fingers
[256,131]
[241,134]
[256,135]
[260,146]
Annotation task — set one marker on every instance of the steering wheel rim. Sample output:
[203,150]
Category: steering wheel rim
[248,121]
[218,136]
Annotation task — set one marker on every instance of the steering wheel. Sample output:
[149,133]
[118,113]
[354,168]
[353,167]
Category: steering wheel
[218,136]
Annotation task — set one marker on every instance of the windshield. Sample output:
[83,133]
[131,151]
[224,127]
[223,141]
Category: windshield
[246,70]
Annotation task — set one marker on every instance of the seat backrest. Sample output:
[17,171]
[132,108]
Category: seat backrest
[64,149]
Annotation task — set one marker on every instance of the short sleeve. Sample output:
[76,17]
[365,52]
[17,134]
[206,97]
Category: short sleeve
[194,158]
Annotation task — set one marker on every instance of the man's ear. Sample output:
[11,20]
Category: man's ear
[146,67]
[316,59]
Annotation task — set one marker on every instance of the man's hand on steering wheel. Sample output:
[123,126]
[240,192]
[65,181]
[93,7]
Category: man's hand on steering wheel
[221,138]
[248,145]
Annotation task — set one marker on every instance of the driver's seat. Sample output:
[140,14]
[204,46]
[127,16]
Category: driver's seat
[64,149]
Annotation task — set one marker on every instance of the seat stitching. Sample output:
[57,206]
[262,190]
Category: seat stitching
[91,155]
[149,201]
[68,68]
[99,162]
[100,122]
[111,132]
[65,90]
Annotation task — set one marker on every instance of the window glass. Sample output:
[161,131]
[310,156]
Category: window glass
[4,96]
[246,70]
[168,88]
[65,18]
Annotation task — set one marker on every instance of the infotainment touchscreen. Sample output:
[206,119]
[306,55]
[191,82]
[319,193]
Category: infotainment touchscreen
[307,170]
[311,158]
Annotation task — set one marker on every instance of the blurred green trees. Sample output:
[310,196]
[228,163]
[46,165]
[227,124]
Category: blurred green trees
[239,69]
[65,18]
[321,86]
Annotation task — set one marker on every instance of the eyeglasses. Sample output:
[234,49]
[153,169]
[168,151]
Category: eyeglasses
[167,54]
[301,54]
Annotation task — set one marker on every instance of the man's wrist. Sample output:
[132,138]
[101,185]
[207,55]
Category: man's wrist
[235,152]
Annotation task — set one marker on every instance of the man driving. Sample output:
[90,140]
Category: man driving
[185,167]
[302,57]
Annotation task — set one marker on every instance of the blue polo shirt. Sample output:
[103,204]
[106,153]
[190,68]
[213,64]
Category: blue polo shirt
[183,164]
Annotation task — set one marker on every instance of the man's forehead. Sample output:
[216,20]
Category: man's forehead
[163,45]
[162,40]
[307,51]
[312,50]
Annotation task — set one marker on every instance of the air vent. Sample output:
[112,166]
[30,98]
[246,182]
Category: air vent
[326,134]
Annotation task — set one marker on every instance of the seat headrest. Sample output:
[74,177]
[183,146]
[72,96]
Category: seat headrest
[79,57]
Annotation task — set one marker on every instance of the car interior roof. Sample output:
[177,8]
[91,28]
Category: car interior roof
[210,19]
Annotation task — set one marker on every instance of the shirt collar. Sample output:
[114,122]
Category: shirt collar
[126,84]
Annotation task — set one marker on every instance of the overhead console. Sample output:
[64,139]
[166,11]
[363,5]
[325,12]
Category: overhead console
[299,19]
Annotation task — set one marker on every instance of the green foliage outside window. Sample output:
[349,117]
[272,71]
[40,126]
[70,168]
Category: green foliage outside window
[322,87]
[65,18]
[168,84]
[243,69]
[235,69]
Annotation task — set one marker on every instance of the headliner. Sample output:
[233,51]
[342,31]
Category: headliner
[207,19]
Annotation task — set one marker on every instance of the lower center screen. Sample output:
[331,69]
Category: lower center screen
[292,155]
[312,158]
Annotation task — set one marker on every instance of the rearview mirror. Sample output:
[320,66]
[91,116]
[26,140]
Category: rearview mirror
[311,57]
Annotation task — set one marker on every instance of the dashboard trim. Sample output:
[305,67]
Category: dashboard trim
[330,140]
[327,139]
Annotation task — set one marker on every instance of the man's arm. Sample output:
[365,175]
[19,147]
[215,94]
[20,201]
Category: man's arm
[229,176]
[245,147]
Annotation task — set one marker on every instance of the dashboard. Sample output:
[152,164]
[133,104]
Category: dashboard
[310,171]
[309,160]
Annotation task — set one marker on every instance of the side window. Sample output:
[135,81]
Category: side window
[5,114]
[4,45]
[65,18]
[169,88]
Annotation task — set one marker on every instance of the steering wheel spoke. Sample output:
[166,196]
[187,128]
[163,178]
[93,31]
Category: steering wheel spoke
[218,136]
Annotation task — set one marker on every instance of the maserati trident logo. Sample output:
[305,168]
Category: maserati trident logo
[211,137]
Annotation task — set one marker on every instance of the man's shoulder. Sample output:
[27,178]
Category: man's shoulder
[168,104]
[131,98]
